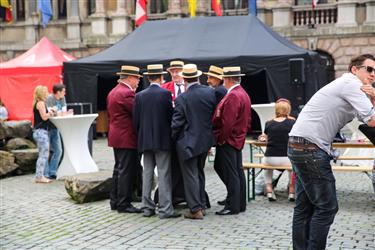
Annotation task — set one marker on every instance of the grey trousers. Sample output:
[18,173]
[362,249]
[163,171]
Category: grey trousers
[161,159]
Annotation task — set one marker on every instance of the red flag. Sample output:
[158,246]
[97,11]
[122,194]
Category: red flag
[140,12]
[216,6]
[8,10]
[314,3]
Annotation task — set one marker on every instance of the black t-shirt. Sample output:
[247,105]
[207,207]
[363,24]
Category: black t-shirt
[277,133]
[38,121]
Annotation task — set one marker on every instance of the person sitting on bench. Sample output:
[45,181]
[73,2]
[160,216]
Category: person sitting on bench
[276,134]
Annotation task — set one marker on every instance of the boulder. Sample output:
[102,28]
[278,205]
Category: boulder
[89,187]
[19,143]
[3,130]
[26,159]
[7,164]
[20,129]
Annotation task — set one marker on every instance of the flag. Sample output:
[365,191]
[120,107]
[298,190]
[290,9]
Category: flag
[314,2]
[216,6]
[252,7]
[140,12]
[6,11]
[192,7]
[45,8]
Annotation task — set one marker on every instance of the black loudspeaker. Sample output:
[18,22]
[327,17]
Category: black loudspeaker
[297,71]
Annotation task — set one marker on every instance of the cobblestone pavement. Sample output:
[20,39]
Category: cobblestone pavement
[42,216]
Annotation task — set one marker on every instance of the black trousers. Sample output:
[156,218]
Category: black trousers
[229,160]
[124,174]
[194,181]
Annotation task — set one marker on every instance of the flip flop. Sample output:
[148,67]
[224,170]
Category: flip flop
[43,180]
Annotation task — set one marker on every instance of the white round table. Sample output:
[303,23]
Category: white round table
[265,112]
[74,132]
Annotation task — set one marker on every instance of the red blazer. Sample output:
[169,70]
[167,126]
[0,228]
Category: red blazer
[232,118]
[169,86]
[121,132]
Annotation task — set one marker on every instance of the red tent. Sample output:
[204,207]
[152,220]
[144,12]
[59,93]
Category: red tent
[40,65]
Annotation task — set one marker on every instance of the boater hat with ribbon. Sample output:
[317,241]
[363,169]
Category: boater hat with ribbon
[155,69]
[232,72]
[175,65]
[190,71]
[129,70]
[215,72]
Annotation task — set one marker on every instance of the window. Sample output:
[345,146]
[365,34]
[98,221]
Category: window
[234,4]
[61,9]
[20,10]
[158,6]
[91,7]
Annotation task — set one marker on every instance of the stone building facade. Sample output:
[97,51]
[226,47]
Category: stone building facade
[336,29]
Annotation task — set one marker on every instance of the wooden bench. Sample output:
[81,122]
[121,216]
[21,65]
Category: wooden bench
[250,166]
[341,158]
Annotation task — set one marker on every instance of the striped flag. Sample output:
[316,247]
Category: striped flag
[192,7]
[140,12]
[6,11]
[216,6]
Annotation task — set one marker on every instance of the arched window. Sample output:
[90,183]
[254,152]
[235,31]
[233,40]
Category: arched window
[61,9]
[158,6]
[20,10]
[91,6]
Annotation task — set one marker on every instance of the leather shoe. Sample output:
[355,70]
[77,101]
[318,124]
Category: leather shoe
[130,209]
[148,212]
[170,216]
[225,212]
[221,203]
[194,216]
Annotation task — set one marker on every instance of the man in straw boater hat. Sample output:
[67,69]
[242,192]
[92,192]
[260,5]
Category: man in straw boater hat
[215,80]
[123,138]
[152,120]
[231,121]
[176,85]
[192,131]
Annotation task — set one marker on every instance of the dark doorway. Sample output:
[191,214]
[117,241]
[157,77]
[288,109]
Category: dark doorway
[255,86]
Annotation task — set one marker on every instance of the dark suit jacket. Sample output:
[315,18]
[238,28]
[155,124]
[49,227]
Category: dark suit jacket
[121,133]
[220,92]
[191,121]
[232,118]
[152,118]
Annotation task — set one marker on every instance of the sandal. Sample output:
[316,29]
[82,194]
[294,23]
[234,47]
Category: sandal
[291,197]
[42,180]
[271,196]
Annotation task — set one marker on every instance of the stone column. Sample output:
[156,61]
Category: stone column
[31,22]
[120,20]
[370,12]
[282,14]
[55,10]
[261,10]
[202,8]
[83,9]
[73,28]
[99,23]
[174,9]
[346,13]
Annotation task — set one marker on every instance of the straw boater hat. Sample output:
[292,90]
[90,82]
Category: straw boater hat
[215,72]
[232,72]
[190,71]
[129,70]
[155,69]
[175,65]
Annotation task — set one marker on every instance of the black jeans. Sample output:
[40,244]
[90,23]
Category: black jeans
[316,201]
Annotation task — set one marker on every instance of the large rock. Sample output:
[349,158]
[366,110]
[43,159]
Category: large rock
[3,130]
[89,186]
[20,129]
[7,164]
[19,143]
[26,159]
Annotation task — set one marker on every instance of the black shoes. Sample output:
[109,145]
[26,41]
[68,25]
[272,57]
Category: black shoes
[225,212]
[130,209]
[148,213]
[170,216]
[221,203]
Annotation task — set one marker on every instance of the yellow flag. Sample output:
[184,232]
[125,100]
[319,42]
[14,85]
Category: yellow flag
[192,7]
[5,4]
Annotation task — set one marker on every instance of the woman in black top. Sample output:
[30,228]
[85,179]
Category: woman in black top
[276,134]
[40,134]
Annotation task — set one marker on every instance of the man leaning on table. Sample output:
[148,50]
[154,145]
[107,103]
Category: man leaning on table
[122,137]
[331,108]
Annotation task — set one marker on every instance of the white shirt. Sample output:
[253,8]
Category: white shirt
[235,85]
[182,86]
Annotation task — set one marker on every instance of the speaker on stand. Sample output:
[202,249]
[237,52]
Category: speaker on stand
[297,79]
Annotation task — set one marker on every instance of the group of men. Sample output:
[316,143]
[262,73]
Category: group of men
[174,125]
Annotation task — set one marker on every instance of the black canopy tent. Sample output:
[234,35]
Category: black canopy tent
[223,41]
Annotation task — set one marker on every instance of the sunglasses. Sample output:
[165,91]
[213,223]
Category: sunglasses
[369,69]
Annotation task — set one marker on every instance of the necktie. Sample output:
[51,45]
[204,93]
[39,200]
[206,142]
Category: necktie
[179,89]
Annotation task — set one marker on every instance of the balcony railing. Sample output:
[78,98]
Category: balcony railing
[323,14]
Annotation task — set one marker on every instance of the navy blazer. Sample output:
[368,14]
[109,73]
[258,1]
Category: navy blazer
[220,92]
[191,120]
[152,118]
